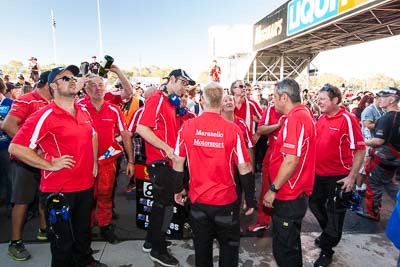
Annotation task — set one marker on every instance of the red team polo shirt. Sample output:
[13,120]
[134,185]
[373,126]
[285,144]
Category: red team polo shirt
[339,135]
[27,104]
[114,97]
[297,136]
[248,140]
[108,123]
[135,119]
[249,109]
[271,117]
[160,116]
[206,138]
[59,133]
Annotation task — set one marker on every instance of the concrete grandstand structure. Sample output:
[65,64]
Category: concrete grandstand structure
[285,42]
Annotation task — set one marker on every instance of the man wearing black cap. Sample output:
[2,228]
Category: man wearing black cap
[94,66]
[25,178]
[385,161]
[159,127]
[64,131]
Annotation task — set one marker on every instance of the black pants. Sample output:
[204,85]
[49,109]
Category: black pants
[330,212]
[70,240]
[287,216]
[163,203]
[222,223]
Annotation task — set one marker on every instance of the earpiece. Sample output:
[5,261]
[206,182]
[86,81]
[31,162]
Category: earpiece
[174,99]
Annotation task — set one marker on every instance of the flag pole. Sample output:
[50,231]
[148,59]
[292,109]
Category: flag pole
[100,33]
[53,26]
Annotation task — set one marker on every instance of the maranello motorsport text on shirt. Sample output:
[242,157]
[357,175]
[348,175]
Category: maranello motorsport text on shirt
[218,134]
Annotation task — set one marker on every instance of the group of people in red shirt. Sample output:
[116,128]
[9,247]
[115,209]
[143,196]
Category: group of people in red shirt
[74,145]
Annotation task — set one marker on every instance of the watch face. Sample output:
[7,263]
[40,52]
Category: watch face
[272,188]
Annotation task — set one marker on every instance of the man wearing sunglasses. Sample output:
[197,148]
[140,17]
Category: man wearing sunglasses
[64,131]
[25,178]
[159,127]
[338,132]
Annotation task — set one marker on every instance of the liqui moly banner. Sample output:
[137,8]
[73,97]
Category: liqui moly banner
[304,14]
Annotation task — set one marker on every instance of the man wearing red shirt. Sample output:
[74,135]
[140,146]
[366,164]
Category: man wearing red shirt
[108,122]
[25,178]
[212,141]
[64,132]
[292,168]
[270,124]
[338,132]
[215,72]
[247,109]
[159,128]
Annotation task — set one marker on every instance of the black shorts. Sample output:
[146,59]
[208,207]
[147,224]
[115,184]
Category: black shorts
[25,183]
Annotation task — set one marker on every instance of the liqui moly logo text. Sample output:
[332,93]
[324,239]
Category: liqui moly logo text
[303,14]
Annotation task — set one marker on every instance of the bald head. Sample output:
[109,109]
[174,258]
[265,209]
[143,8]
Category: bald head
[149,91]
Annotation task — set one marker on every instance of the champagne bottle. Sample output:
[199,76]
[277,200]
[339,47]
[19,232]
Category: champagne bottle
[106,64]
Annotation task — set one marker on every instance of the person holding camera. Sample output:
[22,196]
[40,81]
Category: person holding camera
[158,126]
[64,132]
[108,122]
[338,132]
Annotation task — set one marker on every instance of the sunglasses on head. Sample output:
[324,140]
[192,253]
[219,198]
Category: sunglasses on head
[326,88]
[66,78]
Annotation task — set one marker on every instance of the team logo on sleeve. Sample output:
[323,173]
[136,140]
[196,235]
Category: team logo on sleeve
[287,145]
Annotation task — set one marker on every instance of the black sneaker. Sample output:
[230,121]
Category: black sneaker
[147,246]
[107,232]
[323,261]
[164,259]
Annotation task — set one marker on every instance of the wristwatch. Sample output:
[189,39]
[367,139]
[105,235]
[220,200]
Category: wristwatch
[273,188]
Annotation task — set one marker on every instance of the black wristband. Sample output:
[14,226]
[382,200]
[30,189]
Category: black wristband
[248,184]
[178,181]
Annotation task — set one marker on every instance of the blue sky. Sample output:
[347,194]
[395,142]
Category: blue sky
[155,32]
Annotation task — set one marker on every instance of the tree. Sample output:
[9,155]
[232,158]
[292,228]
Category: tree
[13,68]
[51,66]
[203,77]
[324,78]
[380,81]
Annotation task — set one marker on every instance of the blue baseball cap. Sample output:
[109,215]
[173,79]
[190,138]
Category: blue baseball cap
[54,72]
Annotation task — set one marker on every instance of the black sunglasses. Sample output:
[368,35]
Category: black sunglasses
[66,78]
[241,86]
